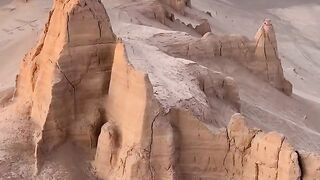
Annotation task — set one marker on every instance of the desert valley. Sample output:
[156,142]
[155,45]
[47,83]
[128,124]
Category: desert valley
[160,89]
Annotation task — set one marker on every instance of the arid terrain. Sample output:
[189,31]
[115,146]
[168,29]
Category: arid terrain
[160,89]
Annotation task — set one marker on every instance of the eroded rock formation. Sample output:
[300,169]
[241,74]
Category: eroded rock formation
[64,79]
[80,85]
[123,150]
[178,5]
[166,16]
[182,147]
[269,63]
[259,56]
[142,141]
[203,28]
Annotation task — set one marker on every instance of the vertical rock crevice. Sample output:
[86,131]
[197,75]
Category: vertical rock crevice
[70,68]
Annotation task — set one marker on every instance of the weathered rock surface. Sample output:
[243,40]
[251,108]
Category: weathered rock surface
[178,5]
[64,79]
[259,56]
[182,147]
[140,139]
[269,63]
[203,28]
[150,119]
[128,131]
[150,143]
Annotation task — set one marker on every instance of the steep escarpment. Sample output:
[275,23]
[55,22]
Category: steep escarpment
[149,114]
[150,143]
[64,79]
[140,138]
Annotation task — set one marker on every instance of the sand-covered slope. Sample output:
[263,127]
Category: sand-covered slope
[177,96]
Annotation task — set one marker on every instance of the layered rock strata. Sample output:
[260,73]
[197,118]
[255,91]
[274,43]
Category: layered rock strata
[67,87]
[139,139]
[142,140]
[259,56]
[64,79]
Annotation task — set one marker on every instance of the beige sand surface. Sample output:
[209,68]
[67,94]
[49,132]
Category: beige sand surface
[297,27]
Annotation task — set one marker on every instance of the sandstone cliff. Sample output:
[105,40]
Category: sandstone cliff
[143,141]
[150,115]
[64,79]
[141,138]
[178,5]
[260,56]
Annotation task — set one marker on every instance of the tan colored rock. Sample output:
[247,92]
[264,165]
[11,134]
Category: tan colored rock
[266,51]
[203,27]
[178,5]
[106,154]
[257,155]
[310,165]
[64,79]
[182,147]
[217,87]
[130,112]
[288,163]
[259,56]
[154,144]
[239,133]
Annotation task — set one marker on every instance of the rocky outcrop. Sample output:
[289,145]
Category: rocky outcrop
[259,56]
[203,27]
[166,16]
[179,146]
[310,165]
[79,85]
[142,140]
[256,155]
[268,61]
[139,140]
[178,5]
[128,132]
[64,79]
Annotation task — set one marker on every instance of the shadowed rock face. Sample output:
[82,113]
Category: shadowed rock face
[141,138]
[142,141]
[266,52]
[67,87]
[178,5]
[179,146]
[64,79]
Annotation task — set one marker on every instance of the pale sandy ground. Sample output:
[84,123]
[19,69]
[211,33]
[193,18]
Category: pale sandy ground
[297,28]
[20,27]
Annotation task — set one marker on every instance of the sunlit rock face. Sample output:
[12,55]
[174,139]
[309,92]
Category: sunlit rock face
[269,63]
[64,79]
[80,85]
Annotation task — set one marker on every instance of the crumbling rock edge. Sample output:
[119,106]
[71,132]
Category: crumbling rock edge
[56,75]
[177,145]
[138,139]
[259,56]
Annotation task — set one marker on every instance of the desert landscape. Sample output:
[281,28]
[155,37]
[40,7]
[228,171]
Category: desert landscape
[160,89]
